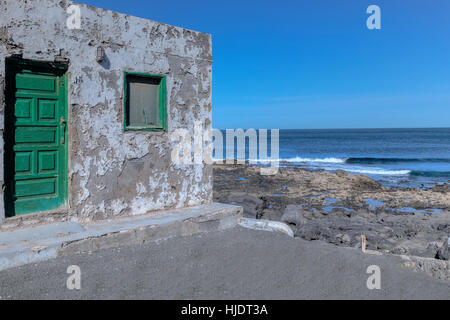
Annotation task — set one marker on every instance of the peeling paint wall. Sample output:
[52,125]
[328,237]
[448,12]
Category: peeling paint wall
[112,172]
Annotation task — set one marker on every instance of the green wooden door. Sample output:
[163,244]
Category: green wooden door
[35,137]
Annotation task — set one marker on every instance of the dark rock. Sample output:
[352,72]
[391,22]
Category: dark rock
[312,231]
[442,227]
[432,249]
[253,207]
[294,215]
[443,253]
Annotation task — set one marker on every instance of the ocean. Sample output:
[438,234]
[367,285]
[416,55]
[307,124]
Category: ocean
[394,157]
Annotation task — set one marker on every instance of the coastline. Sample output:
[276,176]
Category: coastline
[339,207]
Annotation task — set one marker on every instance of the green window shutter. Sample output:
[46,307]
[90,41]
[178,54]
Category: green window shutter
[145,102]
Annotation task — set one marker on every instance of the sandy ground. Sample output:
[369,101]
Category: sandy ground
[233,264]
[339,207]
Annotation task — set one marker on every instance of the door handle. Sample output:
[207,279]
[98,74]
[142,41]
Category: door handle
[63,124]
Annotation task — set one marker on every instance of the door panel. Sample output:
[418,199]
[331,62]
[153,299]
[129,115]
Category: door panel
[36,151]
[35,136]
[36,82]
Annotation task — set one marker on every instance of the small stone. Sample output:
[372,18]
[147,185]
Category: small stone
[399,250]
[343,239]
[410,264]
[39,249]
[346,238]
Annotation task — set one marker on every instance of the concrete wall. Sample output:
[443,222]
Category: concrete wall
[112,172]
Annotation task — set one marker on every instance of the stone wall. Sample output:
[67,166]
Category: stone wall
[112,172]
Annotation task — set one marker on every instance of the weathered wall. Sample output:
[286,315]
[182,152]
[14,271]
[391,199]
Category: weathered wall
[112,172]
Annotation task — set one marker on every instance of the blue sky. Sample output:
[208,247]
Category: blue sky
[311,64]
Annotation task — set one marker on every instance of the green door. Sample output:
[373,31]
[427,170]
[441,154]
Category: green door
[35,139]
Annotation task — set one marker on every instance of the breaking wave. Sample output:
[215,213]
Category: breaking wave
[356,165]
[312,160]
[394,160]
[380,172]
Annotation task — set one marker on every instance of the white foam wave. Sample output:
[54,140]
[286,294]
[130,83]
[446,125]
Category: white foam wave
[332,164]
[312,160]
[380,171]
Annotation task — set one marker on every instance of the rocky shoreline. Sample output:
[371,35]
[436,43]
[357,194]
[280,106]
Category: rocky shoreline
[340,207]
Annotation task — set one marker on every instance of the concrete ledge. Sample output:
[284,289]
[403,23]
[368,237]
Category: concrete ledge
[46,242]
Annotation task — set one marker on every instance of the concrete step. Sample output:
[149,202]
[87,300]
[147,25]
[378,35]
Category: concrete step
[39,233]
[32,245]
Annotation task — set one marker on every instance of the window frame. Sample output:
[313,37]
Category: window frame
[162,105]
